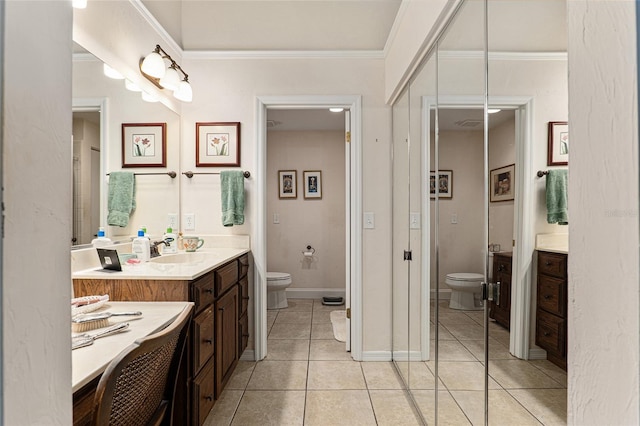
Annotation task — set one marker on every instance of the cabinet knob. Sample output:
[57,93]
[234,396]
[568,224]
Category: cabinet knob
[547,263]
[501,268]
[245,297]
[208,290]
[208,341]
[547,296]
[245,335]
[546,334]
[208,398]
[221,309]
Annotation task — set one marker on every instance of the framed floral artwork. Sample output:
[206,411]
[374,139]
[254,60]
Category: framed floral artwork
[502,183]
[444,183]
[312,184]
[144,144]
[558,144]
[287,184]
[218,144]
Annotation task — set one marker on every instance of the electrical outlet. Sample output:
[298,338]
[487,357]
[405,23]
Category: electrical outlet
[369,220]
[454,218]
[172,221]
[189,222]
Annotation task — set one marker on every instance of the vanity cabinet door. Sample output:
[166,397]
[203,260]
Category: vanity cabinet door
[203,394]
[226,351]
[501,312]
[203,336]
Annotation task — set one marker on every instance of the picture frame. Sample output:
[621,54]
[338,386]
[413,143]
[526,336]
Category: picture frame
[502,183]
[312,184]
[287,184]
[144,145]
[218,144]
[558,143]
[445,184]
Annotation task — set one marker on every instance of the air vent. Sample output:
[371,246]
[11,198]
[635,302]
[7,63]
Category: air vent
[273,123]
[469,123]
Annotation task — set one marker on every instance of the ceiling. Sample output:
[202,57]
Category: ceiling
[277,25]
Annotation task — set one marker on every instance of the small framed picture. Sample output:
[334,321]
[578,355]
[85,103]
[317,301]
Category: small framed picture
[144,144]
[558,144]
[218,144]
[502,183]
[313,184]
[444,184]
[287,184]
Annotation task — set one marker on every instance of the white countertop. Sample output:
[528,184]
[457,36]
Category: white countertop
[204,260]
[554,243]
[89,362]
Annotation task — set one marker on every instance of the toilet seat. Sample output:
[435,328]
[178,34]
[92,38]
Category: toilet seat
[277,283]
[465,276]
[278,276]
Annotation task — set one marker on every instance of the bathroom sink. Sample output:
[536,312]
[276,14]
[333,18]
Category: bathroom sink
[181,258]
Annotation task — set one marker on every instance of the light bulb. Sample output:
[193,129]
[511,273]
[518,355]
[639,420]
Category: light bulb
[336,109]
[153,65]
[184,92]
[111,73]
[171,79]
[493,110]
[130,85]
[79,4]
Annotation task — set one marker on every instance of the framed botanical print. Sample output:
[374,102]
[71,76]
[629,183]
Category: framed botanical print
[144,144]
[558,144]
[218,144]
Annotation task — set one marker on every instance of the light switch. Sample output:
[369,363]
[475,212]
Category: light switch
[369,220]
[454,218]
[276,218]
[414,220]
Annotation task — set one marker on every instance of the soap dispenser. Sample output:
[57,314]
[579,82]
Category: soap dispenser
[141,247]
[173,244]
[101,240]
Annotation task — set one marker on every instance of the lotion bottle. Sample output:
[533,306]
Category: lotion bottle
[101,240]
[173,245]
[141,247]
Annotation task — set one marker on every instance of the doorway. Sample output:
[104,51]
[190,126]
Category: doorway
[353,213]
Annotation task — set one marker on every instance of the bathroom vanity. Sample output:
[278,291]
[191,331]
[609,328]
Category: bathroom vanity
[551,310]
[217,283]
[500,309]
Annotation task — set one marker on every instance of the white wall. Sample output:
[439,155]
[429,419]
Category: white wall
[316,222]
[603,204]
[36,172]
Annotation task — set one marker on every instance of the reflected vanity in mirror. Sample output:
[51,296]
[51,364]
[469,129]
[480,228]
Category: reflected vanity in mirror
[101,105]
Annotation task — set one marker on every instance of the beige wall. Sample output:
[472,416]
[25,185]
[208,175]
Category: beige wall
[86,135]
[316,222]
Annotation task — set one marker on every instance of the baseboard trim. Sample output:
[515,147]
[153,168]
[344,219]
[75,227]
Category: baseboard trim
[314,293]
[444,293]
[537,353]
[248,355]
[376,356]
[404,356]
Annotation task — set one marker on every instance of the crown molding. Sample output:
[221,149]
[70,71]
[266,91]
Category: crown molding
[164,35]
[503,56]
[283,54]
[84,57]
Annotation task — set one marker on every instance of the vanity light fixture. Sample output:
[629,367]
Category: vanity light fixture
[149,98]
[154,68]
[130,85]
[79,4]
[111,73]
[336,109]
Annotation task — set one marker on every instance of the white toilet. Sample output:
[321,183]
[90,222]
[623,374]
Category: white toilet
[466,291]
[277,283]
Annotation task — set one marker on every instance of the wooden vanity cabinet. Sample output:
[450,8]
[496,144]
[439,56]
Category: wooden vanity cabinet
[500,310]
[218,332]
[551,309]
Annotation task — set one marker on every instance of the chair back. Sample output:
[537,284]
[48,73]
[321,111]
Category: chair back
[138,386]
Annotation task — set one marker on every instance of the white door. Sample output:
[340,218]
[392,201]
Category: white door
[347,210]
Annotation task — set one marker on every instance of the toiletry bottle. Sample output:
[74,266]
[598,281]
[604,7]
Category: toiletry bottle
[173,245]
[141,247]
[180,241]
[101,240]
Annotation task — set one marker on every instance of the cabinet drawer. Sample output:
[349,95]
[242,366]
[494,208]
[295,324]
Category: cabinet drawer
[203,399]
[202,291]
[243,334]
[226,276]
[552,295]
[243,263]
[554,264]
[502,264]
[243,286]
[551,333]
[202,338]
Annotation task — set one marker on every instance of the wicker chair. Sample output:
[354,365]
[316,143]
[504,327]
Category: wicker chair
[137,388]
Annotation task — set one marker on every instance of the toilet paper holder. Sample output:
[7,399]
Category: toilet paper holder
[309,252]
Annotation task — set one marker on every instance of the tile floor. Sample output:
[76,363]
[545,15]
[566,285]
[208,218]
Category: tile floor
[307,378]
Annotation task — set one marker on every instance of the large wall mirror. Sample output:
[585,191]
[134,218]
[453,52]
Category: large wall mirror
[101,105]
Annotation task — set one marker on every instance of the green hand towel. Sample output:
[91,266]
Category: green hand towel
[121,200]
[557,197]
[232,185]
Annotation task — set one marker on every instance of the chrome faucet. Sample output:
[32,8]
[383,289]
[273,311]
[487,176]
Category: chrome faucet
[154,246]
